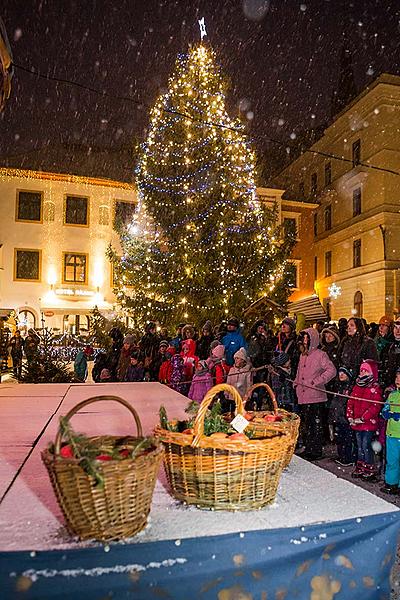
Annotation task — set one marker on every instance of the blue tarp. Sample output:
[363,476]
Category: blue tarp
[346,560]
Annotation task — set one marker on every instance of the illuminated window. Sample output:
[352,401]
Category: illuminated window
[27,264]
[75,268]
[29,206]
[76,210]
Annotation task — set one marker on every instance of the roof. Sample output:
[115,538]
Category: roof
[310,307]
[263,303]
[44,175]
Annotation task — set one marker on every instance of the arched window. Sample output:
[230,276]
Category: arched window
[26,320]
[358,304]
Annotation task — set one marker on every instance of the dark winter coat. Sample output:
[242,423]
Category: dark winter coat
[260,350]
[354,349]
[124,362]
[391,362]
[149,345]
[16,345]
[288,344]
[338,406]
[203,346]
[134,373]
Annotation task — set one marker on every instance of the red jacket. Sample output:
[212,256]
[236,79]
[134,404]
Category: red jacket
[164,374]
[360,409]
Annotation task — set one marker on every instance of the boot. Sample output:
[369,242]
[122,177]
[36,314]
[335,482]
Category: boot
[370,472]
[358,471]
[390,488]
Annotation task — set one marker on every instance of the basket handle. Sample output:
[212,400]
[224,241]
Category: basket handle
[269,390]
[78,407]
[198,427]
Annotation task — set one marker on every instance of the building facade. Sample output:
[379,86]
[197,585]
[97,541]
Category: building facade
[54,231]
[352,174]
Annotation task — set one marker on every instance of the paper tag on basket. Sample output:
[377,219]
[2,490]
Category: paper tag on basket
[239,423]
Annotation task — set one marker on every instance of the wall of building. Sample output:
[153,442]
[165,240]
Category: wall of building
[53,238]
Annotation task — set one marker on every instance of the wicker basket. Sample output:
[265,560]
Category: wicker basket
[223,474]
[290,425]
[120,507]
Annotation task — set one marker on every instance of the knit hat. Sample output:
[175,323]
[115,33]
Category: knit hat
[234,321]
[105,374]
[371,366]
[398,371]
[164,344]
[242,354]
[218,351]
[207,326]
[214,344]
[203,364]
[280,359]
[129,339]
[290,322]
[385,320]
[346,371]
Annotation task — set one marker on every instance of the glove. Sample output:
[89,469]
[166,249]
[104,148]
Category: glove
[358,421]
[395,416]
[351,421]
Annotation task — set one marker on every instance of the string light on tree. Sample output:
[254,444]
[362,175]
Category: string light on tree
[199,234]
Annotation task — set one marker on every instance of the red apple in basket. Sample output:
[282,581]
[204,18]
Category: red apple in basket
[248,416]
[239,437]
[103,457]
[271,418]
[66,452]
[188,431]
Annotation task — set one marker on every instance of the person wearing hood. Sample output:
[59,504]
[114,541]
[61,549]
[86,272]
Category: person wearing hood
[204,343]
[190,361]
[287,342]
[363,408]
[314,371]
[233,340]
[165,372]
[201,383]
[81,363]
[356,346]
[216,363]
[384,338]
[240,376]
[329,343]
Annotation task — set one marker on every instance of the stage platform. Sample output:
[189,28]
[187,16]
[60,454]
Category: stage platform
[321,533]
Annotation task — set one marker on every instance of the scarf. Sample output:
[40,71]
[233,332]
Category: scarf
[365,380]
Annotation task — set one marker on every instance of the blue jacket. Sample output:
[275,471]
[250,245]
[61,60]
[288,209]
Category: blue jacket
[233,341]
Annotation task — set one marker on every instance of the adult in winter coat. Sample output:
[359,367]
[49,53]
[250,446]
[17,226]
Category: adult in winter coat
[384,337]
[363,408]
[356,346]
[233,340]
[16,347]
[391,359]
[81,363]
[329,343]
[204,343]
[315,369]
[31,345]
[114,353]
[260,351]
[125,356]
[287,342]
[149,347]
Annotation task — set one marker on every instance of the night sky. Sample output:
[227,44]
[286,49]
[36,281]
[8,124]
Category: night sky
[281,56]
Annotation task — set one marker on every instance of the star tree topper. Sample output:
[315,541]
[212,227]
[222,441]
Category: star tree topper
[202,26]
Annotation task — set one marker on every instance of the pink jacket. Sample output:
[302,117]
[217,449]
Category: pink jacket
[315,369]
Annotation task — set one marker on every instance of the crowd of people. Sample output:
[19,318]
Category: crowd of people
[343,380]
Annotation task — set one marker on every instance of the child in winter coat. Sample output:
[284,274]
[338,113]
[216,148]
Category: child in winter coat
[177,374]
[240,376]
[135,371]
[391,412]
[343,434]
[363,409]
[216,363]
[189,360]
[165,372]
[201,383]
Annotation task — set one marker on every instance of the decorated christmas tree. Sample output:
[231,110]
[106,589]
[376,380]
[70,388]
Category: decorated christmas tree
[201,246]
